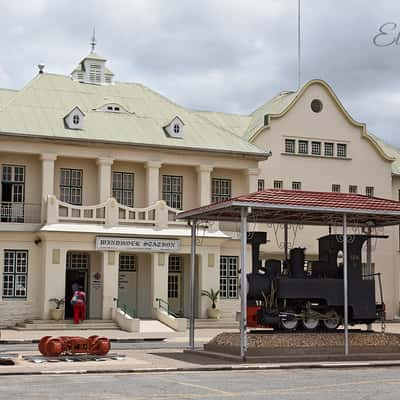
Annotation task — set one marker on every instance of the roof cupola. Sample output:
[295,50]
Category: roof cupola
[92,68]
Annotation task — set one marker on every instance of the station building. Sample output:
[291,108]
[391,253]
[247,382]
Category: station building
[94,172]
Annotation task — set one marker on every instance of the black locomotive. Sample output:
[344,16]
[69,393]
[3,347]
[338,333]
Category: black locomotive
[287,295]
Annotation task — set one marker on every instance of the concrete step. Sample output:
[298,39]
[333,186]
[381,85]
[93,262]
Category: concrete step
[44,325]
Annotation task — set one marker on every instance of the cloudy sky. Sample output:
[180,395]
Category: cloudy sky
[224,55]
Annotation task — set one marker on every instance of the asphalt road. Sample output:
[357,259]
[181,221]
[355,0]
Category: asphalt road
[307,384]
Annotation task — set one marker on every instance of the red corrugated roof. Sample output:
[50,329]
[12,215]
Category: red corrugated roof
[320,199]
[304,207]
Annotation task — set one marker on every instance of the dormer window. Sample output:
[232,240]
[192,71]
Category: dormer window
[74,119]
[112,107]
[175,128]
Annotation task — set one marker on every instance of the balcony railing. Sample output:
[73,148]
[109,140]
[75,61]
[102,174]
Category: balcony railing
[112,213]
[20,213]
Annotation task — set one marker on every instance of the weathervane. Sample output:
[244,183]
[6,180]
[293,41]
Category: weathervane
[93,41]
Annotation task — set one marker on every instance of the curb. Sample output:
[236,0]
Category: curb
[264,367]
[114,340]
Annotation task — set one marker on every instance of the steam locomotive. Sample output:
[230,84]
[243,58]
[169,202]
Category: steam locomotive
[285,295]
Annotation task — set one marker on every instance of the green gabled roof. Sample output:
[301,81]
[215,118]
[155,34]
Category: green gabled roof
[391,151]
[39,108]
[274,106]
[6,95]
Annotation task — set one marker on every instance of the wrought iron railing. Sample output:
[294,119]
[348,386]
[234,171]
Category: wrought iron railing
[27,213]
[164,305]
[126,308]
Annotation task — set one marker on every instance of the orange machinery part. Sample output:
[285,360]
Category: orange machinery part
[68,345]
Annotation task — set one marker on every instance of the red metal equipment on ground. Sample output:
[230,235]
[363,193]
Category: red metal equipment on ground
[69,345]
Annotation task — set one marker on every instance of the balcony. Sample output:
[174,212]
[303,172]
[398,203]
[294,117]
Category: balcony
[111,213]
[20,213]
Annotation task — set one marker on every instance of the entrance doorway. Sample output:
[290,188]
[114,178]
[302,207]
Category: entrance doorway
[127,283]
[76,274]
[175,279]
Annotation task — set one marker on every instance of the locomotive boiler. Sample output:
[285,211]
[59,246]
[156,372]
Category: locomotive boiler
[284,294]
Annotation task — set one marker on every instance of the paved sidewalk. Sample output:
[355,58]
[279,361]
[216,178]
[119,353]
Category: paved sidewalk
[159,360]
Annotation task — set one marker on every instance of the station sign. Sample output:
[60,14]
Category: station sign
[137,244]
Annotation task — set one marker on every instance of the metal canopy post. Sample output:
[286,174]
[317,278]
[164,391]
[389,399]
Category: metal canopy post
[243,282]
[345,288]
[369,263]
[192,273]
[285,242]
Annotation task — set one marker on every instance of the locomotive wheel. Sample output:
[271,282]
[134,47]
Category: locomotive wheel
[310,324]
[332,322]
[289,324]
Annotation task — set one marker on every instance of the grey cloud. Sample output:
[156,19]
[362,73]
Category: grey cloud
[225,55]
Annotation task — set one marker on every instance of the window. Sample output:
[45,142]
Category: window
[75,119]
[13,193]
[278,184]
[341,150]
[172,191]
[260,185]
[127,262]
[221,189]
[95,73]
[369,191]
[303,147]
[78,261]
[15,274]
[329,149]
[335,188]
[177,128]
[175,264]
[71,186]
[290,145]
[228,277]
[353,189]
[122,187]
[296,185]
[316,105]
[316,148]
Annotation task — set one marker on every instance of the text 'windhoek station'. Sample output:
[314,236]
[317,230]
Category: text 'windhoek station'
[94,172]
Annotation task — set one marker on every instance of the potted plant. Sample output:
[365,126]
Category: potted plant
[58,312]
[212,312]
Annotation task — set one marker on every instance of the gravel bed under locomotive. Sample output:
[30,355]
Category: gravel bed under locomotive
[283,295]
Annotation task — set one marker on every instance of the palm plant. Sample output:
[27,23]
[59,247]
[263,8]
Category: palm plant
[212,295]
[58,302]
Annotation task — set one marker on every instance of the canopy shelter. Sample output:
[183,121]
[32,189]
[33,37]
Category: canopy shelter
[292,207]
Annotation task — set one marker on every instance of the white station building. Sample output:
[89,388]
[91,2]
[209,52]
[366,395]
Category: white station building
[94,172]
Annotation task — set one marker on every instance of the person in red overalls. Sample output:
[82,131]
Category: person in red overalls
[79,305]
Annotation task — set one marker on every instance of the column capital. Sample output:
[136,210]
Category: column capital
[153,164]
[252,171]
[204,168]
[105,161]
[48,157]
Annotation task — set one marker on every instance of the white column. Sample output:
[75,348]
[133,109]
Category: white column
[47,179]
[110,281]
[54,270]
[252,175]
[104,178]
[152,181]
[209,276]
[204,184]
[159,278]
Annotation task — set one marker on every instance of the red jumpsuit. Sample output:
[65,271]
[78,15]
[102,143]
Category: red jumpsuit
[79,306]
